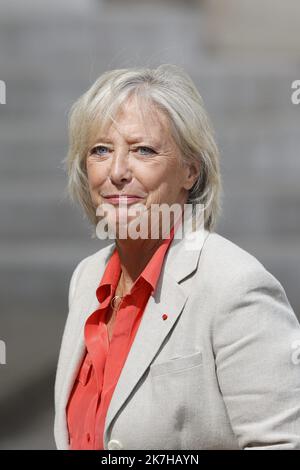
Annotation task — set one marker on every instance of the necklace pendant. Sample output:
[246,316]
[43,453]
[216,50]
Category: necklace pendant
[113,301]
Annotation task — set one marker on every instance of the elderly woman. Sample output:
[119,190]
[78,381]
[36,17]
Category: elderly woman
[171,341]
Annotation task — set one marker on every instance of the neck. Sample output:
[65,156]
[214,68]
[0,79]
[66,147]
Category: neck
[134,257]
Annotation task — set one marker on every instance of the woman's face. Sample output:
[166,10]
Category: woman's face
[137,157]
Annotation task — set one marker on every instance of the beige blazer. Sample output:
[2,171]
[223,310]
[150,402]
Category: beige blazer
[222,372]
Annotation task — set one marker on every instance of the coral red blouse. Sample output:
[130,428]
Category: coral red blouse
[104,360]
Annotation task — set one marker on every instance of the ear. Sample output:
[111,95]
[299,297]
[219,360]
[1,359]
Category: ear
[192,174]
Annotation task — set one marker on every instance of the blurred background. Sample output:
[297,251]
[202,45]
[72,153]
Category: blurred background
[243,56]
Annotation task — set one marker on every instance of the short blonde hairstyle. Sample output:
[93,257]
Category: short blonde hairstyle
[170,90]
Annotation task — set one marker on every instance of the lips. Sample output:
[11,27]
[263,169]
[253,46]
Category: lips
[124,199]
[121,195]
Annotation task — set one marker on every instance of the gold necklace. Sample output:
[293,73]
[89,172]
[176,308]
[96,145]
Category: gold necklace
[115,297]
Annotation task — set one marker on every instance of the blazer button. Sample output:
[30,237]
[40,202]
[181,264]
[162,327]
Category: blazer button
[114,444]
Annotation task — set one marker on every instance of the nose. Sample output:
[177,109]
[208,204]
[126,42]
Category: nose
[119,171]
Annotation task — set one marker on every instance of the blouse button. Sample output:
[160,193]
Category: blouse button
[114,444]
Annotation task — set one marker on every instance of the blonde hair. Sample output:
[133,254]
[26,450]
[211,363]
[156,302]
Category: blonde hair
[170,90]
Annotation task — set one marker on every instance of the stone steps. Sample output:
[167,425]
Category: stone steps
[223,93]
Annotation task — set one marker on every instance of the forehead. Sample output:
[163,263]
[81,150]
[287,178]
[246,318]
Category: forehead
[135,120]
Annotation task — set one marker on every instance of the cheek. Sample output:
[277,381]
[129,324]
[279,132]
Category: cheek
[153,176]
[94,175]
[167,180]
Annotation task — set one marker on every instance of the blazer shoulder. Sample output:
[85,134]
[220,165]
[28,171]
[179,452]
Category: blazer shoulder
[236,271]
[99,256]
[242,293]
[228,264]
[229,257]
[87,269]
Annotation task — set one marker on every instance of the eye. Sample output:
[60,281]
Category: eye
[147,150]
[98,150]
[102,150]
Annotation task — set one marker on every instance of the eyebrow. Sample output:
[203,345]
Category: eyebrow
[131,139]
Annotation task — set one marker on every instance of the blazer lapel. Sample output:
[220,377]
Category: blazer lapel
[150,335]
[169,297]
